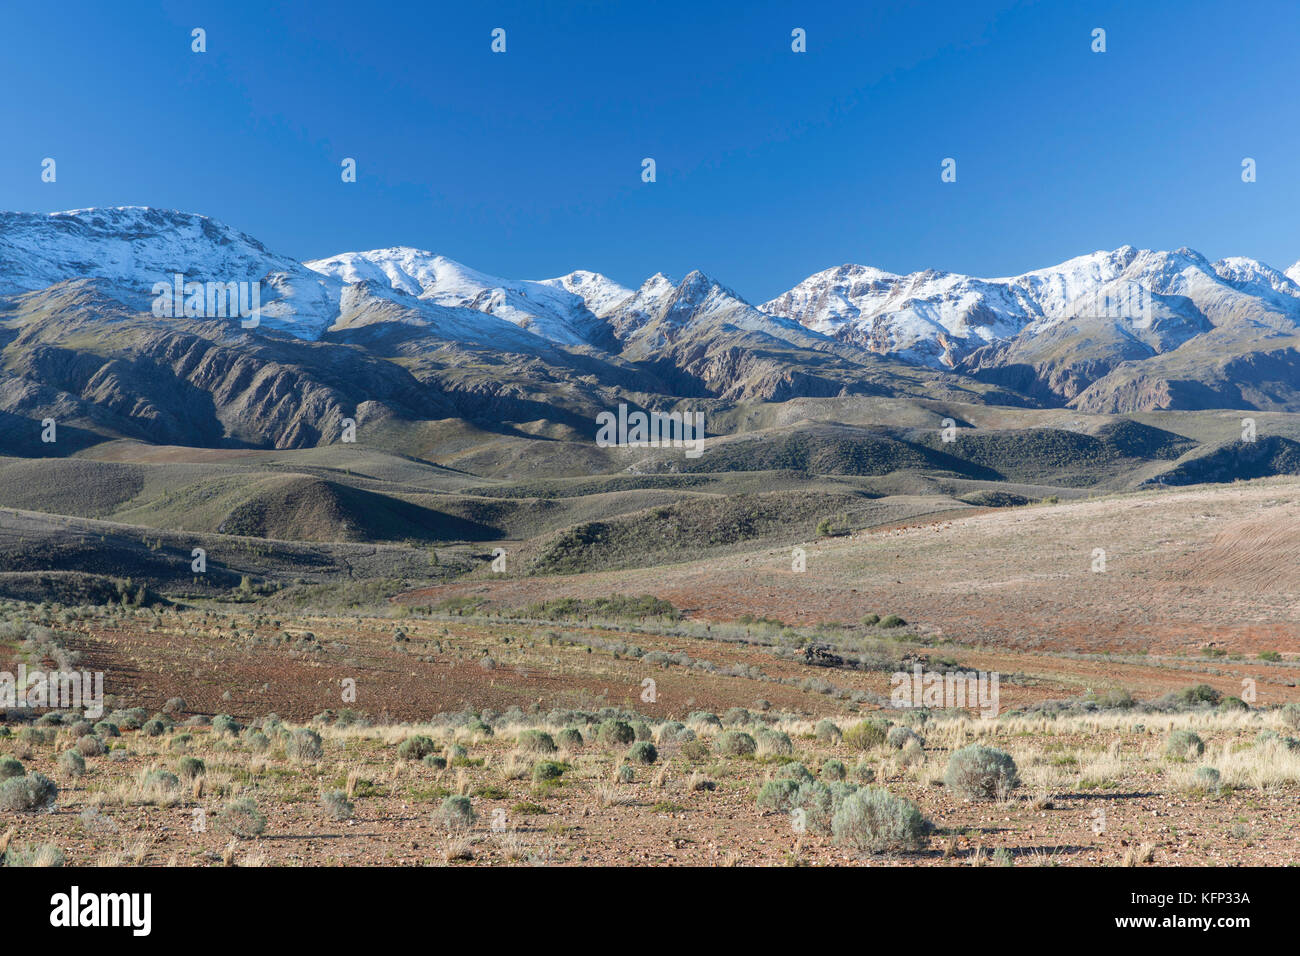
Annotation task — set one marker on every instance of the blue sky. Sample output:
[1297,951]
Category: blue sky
[771,165]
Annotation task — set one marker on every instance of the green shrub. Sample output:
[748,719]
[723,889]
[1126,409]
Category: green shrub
[900,736]
[28,793]
[981,773]
[817,803]
[190,767]
[536,742]
[1184,745]
[456,813]
[673,732]
[735,717]
[416,748]
[304,746]
[834,770]
[866,735]
[336,805]
[72,763]
[242,818]
[615,733]
[11,767]
[643,752]
[864,771]
[702,718]
[153,728]
[794,770]
[545,771]
[161,780]
[735,743]
[1290,715]
[828,733]
[773,743]
[695,751]
[43,855]
[435,761]
[257,742]
[570,738]
[873,820]
[892,620]
[223,725]
[777,795]
[1200,694]
[871,620]
[625,774]
[1207,776]
[91,746]
[107,728]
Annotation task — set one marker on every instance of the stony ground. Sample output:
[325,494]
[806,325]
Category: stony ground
[1094,791]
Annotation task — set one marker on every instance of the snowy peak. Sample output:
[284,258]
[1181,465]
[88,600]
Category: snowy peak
[549,309]
[601,295]
[936,318]
[133,246]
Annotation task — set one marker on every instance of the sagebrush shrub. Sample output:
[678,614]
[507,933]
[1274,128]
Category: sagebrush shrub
[25,794]
[643,752]
[547,770]
[981,773]
[834,770]
[735,743]
[456,813]
[794,770]
[416,748]
[777,795]
[72,763]
[773,743]
[1290,715]
[828,732]
[336,805]
[873,820]
[304,745]
[242,818]
[190,767]
[536,742]
[702,718]
[11,767]
[223,725]
[866,735]
[615,733]
[570,738]
[1184,745]
[900,736]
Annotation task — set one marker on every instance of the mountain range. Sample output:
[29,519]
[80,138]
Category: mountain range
[399,336]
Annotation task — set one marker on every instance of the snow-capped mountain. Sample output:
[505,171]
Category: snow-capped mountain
[937,318]
[562,310]
[1109,331]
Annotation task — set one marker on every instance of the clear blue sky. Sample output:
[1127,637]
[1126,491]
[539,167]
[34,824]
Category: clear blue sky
[771,165]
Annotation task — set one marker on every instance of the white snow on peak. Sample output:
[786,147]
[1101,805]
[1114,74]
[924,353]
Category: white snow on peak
[601,294]
[550,308]
[936,317]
